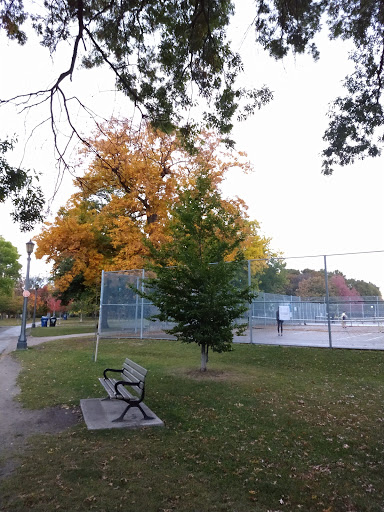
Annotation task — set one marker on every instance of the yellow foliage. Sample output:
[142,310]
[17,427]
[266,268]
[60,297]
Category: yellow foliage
[132,176]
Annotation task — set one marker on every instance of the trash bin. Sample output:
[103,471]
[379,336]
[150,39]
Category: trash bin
[52,321]
[44,321]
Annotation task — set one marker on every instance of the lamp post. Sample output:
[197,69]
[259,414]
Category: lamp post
[34,308]
[22,341]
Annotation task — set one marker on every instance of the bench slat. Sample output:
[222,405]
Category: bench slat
[134,373]
[130,376]
[109,386]
[136,389]
[142,371]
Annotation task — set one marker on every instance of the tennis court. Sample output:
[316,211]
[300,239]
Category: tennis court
[125,314]
[355,335]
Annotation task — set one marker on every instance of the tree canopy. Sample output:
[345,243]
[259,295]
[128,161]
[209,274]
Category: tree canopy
[356,119]
[125,193]
[311,283]
[9,267]
[155,50]
[21,188]
[169,57]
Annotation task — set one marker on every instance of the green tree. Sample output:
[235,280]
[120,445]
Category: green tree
[21,187]
[9,267]
[194,286]
[155,51]
[365,289]
[158,50]
[356,119]
[273,279]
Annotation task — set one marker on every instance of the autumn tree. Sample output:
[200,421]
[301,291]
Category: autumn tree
[194,285]
[341,287]
[76,245]
[311,283]
[43,293]
[314,286]
[125,192]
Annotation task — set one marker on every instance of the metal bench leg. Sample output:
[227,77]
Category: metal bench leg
[121,417]
[146,417]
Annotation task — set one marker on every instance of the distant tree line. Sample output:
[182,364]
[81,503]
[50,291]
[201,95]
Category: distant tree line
[276,278]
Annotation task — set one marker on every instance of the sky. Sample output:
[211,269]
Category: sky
[303,212]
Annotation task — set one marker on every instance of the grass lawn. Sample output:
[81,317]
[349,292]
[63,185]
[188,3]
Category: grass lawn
[63,327]
[9,322]
[265,429]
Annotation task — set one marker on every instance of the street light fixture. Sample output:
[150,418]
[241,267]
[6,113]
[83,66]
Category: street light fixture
[22,341]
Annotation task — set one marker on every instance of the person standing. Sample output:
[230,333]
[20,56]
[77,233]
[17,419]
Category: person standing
[279,324]
[343,320]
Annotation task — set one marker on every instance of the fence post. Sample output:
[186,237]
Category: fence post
[250,306]
[142,305]
[327,301]
[100,316]
[137,304]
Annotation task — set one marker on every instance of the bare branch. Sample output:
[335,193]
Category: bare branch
[133,94]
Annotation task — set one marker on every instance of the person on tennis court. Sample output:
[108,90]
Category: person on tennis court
[343,320]
[279,324]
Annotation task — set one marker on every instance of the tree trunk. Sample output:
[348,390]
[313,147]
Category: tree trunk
[204,358]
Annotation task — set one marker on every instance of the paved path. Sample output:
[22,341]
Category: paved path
[8,338]
[17,423]
[10,335]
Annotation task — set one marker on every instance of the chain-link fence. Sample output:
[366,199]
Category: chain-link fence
[312,319]
[313,310]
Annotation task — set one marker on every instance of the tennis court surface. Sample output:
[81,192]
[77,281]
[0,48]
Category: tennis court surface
[355,335]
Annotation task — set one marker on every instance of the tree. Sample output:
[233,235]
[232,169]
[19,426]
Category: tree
[363,288]
[157,51]
[21,187]
[194,286]
[9,267]
[311,283]
[125,192]
[342,289]
[314,286]
[356,120]
[273,279]
[11,305]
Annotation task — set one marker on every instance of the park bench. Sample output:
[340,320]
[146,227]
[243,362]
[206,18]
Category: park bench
[132,376]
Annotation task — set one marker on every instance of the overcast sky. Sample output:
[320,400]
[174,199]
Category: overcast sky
[304,212]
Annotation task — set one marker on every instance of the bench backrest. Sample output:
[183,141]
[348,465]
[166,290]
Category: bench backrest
[133,372]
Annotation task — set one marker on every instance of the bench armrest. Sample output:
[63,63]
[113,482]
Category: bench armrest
[110,370]
[126,383]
